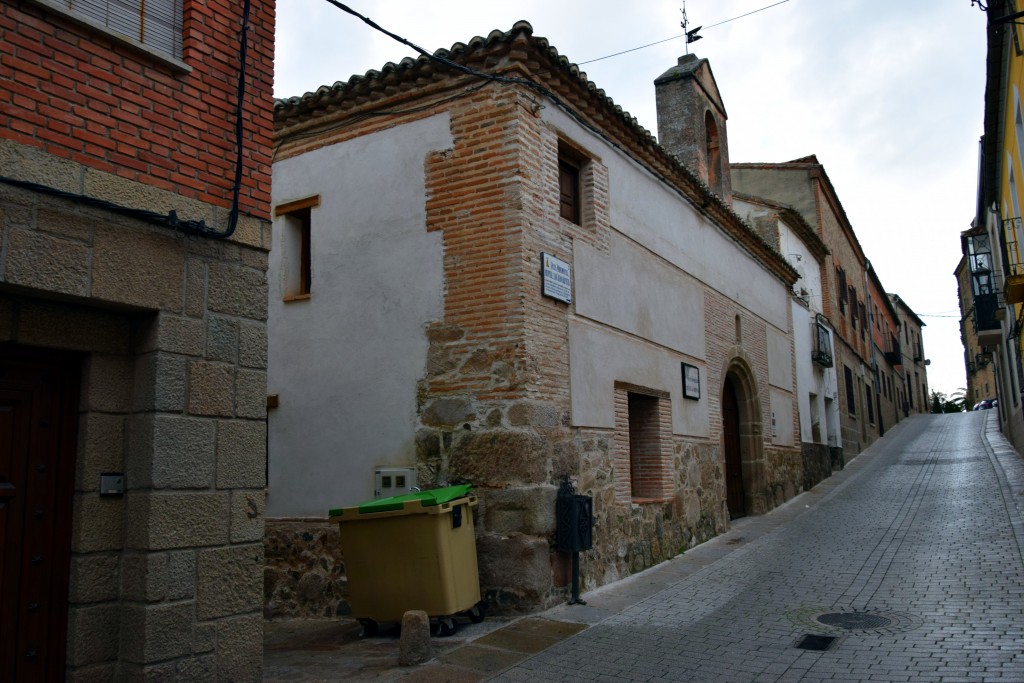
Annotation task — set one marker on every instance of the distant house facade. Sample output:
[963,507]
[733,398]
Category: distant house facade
[813,343]
[133,339]
[508,282]
[886,354]
[851,293]
[915,363]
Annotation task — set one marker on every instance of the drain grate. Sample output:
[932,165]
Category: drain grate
[853,620]
[816,642]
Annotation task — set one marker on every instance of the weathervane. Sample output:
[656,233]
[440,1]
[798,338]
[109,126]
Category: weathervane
[691,35]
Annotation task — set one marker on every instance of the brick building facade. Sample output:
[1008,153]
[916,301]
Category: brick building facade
[803,185]
[915,364]
[442,351]
[133,316]
[869,364]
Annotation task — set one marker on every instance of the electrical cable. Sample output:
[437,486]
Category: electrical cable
[171,220]
[681,35]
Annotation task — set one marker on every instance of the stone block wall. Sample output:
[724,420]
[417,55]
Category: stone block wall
[817,463]
[165,581]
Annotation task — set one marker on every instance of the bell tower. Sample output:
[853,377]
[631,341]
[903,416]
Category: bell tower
[692,121]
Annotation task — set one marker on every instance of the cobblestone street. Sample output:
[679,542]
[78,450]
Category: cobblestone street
[914,558]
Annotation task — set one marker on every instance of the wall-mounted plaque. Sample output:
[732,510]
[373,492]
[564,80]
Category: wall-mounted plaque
[557,278]
[691,381]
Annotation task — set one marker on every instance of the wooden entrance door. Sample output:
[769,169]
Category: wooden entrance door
[733,455]
[38,402]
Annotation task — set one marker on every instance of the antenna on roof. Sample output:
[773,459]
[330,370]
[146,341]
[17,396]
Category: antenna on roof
[691,34]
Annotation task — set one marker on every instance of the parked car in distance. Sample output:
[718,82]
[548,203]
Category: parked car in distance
[985,404]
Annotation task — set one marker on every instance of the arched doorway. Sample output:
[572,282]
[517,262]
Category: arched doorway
[734,491]
[742,448]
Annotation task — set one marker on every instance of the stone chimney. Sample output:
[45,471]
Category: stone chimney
[691,122]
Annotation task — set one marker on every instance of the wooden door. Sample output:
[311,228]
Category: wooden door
[733,456]
[38,401]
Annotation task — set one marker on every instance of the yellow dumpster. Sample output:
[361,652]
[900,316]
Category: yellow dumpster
[411,552]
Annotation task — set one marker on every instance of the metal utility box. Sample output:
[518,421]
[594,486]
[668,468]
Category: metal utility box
[393,481]
[574,528]
[411,552]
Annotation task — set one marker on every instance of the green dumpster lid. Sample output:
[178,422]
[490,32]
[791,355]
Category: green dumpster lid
[427,498]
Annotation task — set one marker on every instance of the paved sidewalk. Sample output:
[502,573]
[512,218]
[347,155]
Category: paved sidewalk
[920,531]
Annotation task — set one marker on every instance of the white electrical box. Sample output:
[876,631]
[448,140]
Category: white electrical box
[393,481]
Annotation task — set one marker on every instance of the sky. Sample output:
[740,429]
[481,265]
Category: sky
[889,94]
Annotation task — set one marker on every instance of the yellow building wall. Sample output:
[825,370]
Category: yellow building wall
[1012,153]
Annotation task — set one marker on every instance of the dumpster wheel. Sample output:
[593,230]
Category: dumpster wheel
[477,612]
[442,627]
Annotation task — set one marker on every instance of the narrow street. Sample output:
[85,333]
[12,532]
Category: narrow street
[912,562]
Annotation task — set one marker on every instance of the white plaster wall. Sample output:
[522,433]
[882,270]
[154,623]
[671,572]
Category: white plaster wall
[797,253]
[599,356]
[634,291]
[646,211]
[345,363]
[780,360]
[806,382]
[782,410]
[812,378]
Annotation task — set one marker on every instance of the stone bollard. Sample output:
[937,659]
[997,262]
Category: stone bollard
[414,645]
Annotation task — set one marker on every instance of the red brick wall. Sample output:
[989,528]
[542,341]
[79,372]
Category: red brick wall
[643,445]
[81,95]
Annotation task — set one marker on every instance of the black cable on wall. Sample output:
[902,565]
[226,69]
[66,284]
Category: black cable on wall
[171,220]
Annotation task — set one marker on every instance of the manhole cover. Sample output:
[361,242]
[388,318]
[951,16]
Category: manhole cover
[853,620]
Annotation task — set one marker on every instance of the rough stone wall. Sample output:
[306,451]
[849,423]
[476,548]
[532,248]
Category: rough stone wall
[817,463]
[304,574]
[164,581]
[631,537]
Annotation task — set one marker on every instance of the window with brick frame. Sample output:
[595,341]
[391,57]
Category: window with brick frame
[154,24]
[297,247]
[643,444]
[645,466]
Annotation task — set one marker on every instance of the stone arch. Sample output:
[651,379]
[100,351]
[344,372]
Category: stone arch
[737,373]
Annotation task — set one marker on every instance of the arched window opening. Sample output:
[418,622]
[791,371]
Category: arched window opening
[712,148]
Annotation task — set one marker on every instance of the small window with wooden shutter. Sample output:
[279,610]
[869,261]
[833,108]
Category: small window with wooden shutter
[569,190]
[297,247]
[571,165]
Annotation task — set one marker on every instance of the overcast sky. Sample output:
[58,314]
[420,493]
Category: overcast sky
[888,94]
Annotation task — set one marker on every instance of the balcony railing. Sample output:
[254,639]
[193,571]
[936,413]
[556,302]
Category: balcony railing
[822,358]
[1014,286]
